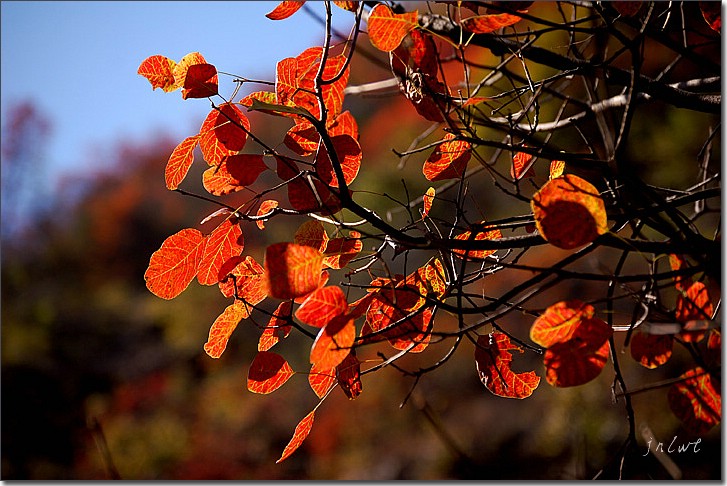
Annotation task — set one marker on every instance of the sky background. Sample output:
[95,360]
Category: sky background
[77,62]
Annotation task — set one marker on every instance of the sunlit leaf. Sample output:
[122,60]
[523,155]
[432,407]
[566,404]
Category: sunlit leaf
[182,67]
[302,138]
[449,159]
[559,322]
[697,401]
[244,276]
[321,380]
[234,173]
[284,10]
[223,327]
[416,53]
[569,212]
[348,373]
[301,195]
[340,251]
[677,262]
[427,201]
[322,305]
[351,6]
[348,153]
[173,266]
[581,358]
[522,166]
[179,162]
[278,327]
[492,234]
[556,169]
[159,71]
[387,29]
[223,133]
[343,124]
[292,270]
[265,207]
[313,234]
[223,243]
[200,81]
[485,24]
[301,432]
[651,350]
[493,359]
[334,342]
[268,372]
[694,304]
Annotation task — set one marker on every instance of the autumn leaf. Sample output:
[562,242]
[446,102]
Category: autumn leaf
[292,270]
[559,322]
[485,24]
[243,277]
[179,162]
[301,432]
[159,71]
[265,207]
[200,81]
[694,304]
[301,195]
[569,212]
[387,29]
[333,342]
[351,6]
[268,372]
[234,173]
[223,133]
[712,13]
[173,266]
[284,10]
[522,166]
[581,358]
[322,305]
[651,350]
[223,327]
[222,244]
[493,359]
[182,67]
[556,169]
[449,159]
[427,201]
[348,153]
[313,234]
[416,53]
[492,234]
[302,138]
[348,374]
[697,401]
[627,9]
[340,251]
[321,380]
[278,327]
[677,262]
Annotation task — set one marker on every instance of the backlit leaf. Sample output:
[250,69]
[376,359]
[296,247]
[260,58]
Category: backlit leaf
[179,162]
[485,24]
[569,212]
[556,169]
[387,29]
[292,270]
[322,305]
[348,153]
[159,71]
[233,173]
[493,234]
[712,13]
[696,402]
[449,159]
[559,322]
[200,81]
[245,276]
[522,166]
[313,234]
[677,262]
[284,10]
[223,243]
[493,359]
[223,133]
[265,207]
[694,304]
[268,372]
[302,138]
[343,124]
[173,266]
[581,358]
[278,327]
[334,342]
[713,356]
[351,6]
[427,200]
[223,327]
[321,380]
[340,251]
[301,432]
[182,67]
[651,350]
[301,195]
[416,53]
[348,373]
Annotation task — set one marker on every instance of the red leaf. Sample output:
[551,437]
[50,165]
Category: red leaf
[223,327]
[233,173]
[179,162]
[301,432]
[246,276]
[200,81]
[493,359]
[340,251]
[416,53]
[581,358]
[522,166]
[334,342]
[350,6]
[627,9]
[348,373]
[569,212]
[268,372]
[300,194]
[677,262]
[427,201]
[222,244]
[278,327]
[484,24]
[173,266]
[292,270]
[694,304]
[651,350]
[449,159]
[265,207]
[223,133]
[494,234]
[713,356]
[322,305]
[696,402]
[284,10]
[182,68]
[556,169]
[712,13]
[348,152]
[559,322]
[313,234]
[302,138]
[387,29]
[265,96]
[159,71]
[343,124]
[321,380]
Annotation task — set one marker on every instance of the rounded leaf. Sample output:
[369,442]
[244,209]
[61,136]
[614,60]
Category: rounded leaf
[268,372]
[292,270]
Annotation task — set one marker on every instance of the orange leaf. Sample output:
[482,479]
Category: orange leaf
[321,380]
[556,169]
[559,322]
[265,207]
[278,327]
[233,173]
[200,81]
[321,306]
[627,9]
[696,402]
[340,251]
[159,71]
[348,373]
[387,29]
[173,266]
[292,270]
[244,276]
[348,152]
[416,53]
[522,166]
[179,162]
[350,6]
[313,234]
[651,350]
[222,244]
[427,200]
[301,432]
[484,24]
[449,159]
[677,262]
[569,212]
[302,138]
[223,327]
[284,10]
[223,133]
[343,124]
[265,96]
[581,358]
[694,304]
[268,372]
[493,358]
[713,356]
[300,194]
[334,342]
[494,234]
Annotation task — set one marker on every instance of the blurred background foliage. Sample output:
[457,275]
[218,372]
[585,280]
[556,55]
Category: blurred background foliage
[101,379]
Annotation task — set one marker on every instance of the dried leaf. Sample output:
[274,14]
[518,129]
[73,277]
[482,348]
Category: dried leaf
[173,266]
[268,372]
[493,359]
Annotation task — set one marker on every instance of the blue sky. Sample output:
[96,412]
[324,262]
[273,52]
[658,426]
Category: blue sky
[77,61]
